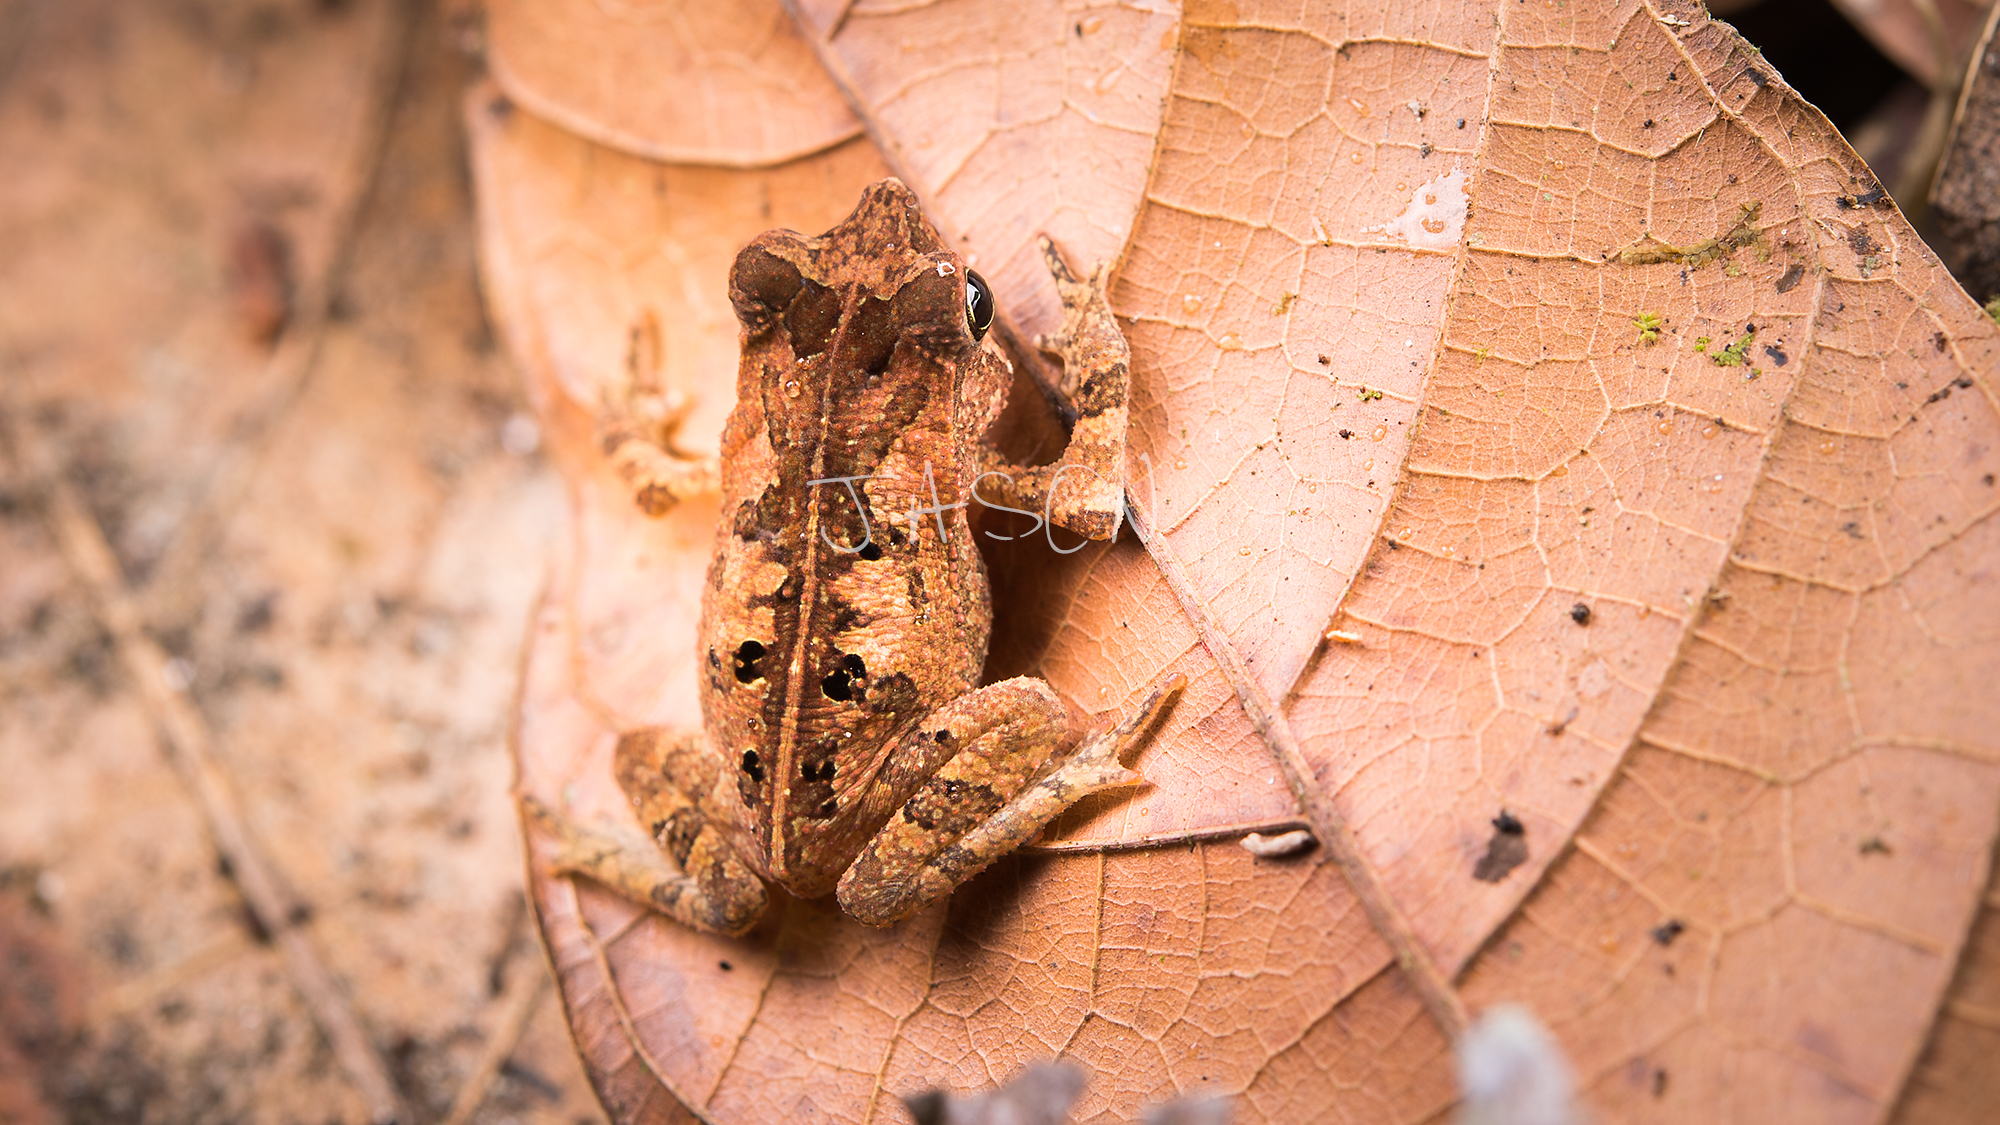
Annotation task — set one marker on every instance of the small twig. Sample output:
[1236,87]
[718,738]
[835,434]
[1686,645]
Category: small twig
[190,747]
[516,1008]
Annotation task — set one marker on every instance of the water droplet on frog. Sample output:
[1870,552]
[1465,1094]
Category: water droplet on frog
[1368,464]
[1312,488]
[1666,427]
[1191,304]
[1559,471]
[1828,447]
[1180,463]
[1381,432]
[791,388]
[1709,432]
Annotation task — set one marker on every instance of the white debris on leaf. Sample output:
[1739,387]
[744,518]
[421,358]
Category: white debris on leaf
[1435,218]
[1511,1071]
[1282,844]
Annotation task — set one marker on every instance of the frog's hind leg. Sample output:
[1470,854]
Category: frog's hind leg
[1084,491]
[990,797]
[706,887]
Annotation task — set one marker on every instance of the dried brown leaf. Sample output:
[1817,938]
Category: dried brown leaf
[1562,366]
[728,84]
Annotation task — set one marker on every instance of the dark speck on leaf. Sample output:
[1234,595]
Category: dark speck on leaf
[1507,849]
[1777,354]
[1667,931]
[1580,613]
[1790,279]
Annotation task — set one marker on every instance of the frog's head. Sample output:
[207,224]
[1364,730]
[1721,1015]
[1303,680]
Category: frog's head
[884,253]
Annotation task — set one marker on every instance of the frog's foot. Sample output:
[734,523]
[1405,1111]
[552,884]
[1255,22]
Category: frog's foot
[712,890]
[637,437]
[1084,491]
[909,865]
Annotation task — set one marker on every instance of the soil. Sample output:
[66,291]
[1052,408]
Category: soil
[337,524]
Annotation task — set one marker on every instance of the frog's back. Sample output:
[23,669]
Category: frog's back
[833,619]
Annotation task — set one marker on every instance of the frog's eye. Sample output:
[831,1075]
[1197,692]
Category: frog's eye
[978,304]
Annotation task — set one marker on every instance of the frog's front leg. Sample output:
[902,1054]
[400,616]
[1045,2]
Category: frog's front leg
[708,886]
[636,432]
[1084,491]
[990,797]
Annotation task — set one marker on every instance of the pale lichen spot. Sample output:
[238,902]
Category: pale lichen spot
[1435,216]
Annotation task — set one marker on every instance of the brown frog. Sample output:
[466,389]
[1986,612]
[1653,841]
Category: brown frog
[846,746]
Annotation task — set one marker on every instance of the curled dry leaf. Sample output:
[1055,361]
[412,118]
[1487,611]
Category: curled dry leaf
[728,84]
[1928,38]
[1445,326]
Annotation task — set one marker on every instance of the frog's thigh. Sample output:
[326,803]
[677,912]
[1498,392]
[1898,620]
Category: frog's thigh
[708,887]
[978,806]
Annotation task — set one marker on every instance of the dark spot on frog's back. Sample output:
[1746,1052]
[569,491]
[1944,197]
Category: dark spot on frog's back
[760,520]
[848,681]
[843,617]
[895,694]
[814,792]
[761,285]
[749,655]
